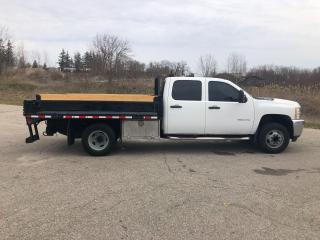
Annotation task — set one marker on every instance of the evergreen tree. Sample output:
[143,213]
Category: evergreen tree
[69,61]
[9,55]
[62,61]
[34,64]
[2,55]
[78,65]
[87,60]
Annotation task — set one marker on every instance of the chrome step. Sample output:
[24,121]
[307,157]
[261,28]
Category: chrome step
[207,138]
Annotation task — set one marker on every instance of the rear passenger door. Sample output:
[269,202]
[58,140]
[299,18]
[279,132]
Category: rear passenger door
[186,107]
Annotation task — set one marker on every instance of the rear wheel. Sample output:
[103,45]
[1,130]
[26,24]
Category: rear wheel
[98,139]
[273,138]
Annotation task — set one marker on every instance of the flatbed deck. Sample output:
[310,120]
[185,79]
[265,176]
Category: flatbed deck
[97,97]
[61,106]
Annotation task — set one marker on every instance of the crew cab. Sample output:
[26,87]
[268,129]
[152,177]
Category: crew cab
[181,107]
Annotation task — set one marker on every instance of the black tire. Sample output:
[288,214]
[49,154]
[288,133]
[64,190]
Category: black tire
[273,138]
[98,139]
[252,141]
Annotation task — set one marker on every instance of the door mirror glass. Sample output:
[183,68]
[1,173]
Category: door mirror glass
[242,97]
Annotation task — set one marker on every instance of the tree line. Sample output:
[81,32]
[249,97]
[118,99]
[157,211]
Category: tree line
[112,58]
[282,75]
[12,56]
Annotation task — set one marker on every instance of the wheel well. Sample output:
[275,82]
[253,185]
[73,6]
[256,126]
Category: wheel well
[278,118]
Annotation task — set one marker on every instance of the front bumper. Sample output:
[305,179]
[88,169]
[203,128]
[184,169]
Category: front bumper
[297,128]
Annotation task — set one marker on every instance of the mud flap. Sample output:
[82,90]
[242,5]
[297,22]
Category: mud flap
[70,133]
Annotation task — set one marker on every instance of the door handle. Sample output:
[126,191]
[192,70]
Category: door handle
[214,107]
[176,106]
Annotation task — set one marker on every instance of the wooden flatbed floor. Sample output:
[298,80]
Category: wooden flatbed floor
[97,97]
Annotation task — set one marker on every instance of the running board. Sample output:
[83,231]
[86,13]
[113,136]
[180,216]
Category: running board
[209,138]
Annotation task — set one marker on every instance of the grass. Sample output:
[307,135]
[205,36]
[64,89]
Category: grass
[19,85]
[312,125]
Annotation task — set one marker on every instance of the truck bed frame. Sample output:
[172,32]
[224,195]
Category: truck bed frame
[39,110]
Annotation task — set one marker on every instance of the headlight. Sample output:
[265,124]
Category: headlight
[297,113]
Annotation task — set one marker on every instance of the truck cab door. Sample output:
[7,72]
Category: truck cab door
[225,115]
[185,107]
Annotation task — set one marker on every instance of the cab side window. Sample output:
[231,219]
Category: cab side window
[187,90]
[222,92]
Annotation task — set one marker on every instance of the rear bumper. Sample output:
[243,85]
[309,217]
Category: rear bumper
[297,128]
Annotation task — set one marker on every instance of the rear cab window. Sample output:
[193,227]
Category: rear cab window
[187,90]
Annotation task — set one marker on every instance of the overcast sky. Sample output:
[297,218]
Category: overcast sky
[284,32]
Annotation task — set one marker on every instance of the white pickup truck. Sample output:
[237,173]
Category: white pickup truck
[184,107]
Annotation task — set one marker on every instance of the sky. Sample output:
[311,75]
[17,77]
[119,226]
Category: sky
[280,32]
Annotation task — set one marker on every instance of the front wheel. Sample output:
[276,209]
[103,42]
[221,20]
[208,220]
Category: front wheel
[273,138]
[98,139]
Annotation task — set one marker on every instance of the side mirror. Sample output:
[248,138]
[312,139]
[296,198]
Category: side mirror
[242,97]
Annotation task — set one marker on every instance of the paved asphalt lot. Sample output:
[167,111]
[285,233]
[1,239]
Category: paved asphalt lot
[156,190]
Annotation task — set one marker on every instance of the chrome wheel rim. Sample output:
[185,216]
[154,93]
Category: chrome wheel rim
[98,140]
[274,139]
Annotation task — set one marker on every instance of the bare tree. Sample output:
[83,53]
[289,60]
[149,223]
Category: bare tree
[180,68]
[237,65]
[110,53]
[207,65]
[4,34]
[166,68]
[135,69]
[21,56]
[284,76]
